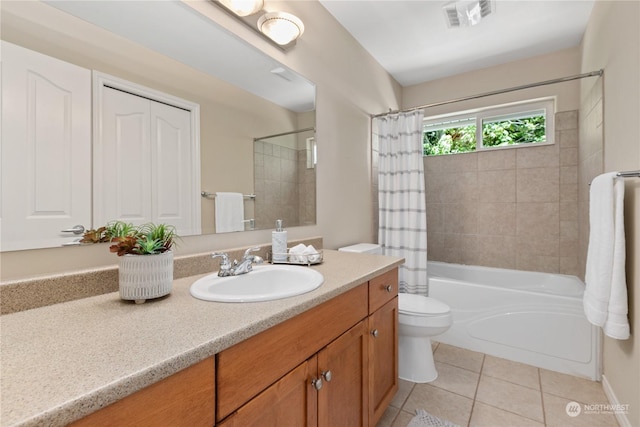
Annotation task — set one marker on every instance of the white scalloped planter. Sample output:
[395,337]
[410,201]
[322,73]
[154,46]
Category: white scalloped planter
[144,277]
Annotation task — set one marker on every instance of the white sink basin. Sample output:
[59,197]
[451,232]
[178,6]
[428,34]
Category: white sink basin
[264,283]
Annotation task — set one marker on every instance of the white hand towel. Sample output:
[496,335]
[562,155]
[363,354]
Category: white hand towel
[312,254]
[229,212]
[296,254]
[605,296]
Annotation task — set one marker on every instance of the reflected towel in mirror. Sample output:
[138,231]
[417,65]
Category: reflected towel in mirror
[229,212]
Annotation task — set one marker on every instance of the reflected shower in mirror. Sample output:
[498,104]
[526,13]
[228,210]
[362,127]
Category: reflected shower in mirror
[285,178]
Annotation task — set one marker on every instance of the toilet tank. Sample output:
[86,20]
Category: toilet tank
[363,248]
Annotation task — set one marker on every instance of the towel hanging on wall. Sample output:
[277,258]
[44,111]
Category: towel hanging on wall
[605,296]
[229,212]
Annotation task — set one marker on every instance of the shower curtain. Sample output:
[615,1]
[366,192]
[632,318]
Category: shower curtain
[402,227]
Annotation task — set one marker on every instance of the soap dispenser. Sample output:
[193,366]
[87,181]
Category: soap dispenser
[279,243]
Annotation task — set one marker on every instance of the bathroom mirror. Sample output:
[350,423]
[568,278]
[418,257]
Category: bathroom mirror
[172,47]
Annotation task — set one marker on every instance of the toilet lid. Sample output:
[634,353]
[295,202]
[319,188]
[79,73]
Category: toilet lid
[421,305]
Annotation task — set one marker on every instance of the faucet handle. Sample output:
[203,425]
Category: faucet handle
[248,251]
[224,263]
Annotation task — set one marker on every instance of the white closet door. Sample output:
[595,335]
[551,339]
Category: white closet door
[122,161]
[46,149]
[143,163]
[171,180]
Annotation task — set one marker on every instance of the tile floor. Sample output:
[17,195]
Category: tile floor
[474,389]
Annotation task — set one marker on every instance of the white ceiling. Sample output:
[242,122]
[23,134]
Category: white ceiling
[411,39]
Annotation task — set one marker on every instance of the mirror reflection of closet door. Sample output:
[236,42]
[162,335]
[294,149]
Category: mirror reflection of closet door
[143,156]
[46,150]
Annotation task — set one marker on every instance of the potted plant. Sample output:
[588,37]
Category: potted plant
[146,260]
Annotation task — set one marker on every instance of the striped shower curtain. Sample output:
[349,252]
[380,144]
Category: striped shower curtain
[402,228]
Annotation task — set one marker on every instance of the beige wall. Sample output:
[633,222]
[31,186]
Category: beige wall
[350,87]
[611,42]
[511,208]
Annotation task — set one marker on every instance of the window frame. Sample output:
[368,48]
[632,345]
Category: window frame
[496,112]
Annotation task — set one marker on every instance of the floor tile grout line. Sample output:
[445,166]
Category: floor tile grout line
[544,412]
[475,394]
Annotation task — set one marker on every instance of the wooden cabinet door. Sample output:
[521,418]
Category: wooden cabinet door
[342,365]
[45,160]
[383,359]
[185,399]
[291,401]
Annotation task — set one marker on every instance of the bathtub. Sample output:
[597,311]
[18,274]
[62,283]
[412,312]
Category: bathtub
[528,317]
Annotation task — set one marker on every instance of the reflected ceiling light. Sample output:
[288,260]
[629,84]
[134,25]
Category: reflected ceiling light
[281,27]
[243,7]
[465,13]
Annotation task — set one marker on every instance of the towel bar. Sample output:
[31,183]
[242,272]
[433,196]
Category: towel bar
[208,194]
[629,174]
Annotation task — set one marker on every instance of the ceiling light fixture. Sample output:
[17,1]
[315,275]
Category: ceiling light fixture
[281,27]
[243,7]
[465,13]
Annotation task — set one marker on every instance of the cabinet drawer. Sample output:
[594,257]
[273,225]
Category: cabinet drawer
[249,367]
[383,289]
[183,399]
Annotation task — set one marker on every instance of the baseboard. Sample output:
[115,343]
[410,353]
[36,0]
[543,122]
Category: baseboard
[622,418]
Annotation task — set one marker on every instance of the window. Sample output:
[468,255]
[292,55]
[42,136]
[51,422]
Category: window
[505,126]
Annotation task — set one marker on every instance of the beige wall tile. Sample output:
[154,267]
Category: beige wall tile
[567,138]
[497,251]
[544,264]
[497,186]
[538,219]
[569,156]
[497,219]
[435,217]
[530,246]
[538,157]
[460,218]
[568,211]
[538,185]
[569,265]
[566,120]
[569,175]
[497,160]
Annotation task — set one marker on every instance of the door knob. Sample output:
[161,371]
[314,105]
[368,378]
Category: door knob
[76,229]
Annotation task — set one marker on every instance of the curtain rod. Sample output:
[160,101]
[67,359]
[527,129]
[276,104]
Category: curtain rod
[496,92]
[285,133]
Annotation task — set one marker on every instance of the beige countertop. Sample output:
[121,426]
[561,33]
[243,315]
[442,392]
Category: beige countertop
[65,361]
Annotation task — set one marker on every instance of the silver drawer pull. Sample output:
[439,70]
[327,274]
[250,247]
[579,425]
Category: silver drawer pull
[316,383]
[389,288]
[327,375]
[375,333]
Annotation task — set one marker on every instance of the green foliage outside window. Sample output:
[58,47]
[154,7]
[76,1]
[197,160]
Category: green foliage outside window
[495,134]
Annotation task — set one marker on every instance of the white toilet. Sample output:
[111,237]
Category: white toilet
[419,319]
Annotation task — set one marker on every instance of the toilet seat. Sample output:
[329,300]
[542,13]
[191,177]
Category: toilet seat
[419,305]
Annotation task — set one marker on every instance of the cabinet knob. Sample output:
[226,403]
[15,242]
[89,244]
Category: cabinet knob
[389,288]
[375,333]
[327,375]
[316,383]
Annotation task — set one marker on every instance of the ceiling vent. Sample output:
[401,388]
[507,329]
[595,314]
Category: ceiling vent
[467,13]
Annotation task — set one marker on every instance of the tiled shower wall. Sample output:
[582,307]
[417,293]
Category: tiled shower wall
[591,160]
[512,208]
[285,189]
[276,185]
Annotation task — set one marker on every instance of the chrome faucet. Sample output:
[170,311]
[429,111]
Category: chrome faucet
[227,268]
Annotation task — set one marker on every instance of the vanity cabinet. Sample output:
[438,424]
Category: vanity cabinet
[335,364]
[383,343]
[185,399]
